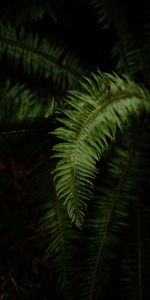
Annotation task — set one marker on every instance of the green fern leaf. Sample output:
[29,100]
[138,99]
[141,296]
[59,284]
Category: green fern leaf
[113,222]
[20,108]
[39,57]
[107,219]
[88,129]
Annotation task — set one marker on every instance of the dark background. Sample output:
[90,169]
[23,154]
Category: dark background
[24,273]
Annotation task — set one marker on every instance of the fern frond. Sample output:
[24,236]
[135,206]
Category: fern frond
[39,57]
[51,221]
[107,221]
[135,258]
[19,105]
[60,238]
[114,14]
[108,103]
[34,12]
[127,54]
[143,37]
[103,9]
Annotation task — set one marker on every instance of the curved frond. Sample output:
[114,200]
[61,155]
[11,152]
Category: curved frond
[108,103]
[39,57]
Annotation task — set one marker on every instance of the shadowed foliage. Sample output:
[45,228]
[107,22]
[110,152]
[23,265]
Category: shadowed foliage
[75,150]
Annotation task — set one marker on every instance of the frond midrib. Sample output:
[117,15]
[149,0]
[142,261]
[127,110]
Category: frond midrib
[93,114]
[43,55]
[77,133]
[80,137]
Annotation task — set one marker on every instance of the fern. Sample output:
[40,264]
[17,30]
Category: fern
[60,239]
[35,12]
[134,255]
[125,51]
[107,217]
[88,129]
[39,57]
[92,194]
[21,108]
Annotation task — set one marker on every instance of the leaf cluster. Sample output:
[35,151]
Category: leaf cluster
[86,135]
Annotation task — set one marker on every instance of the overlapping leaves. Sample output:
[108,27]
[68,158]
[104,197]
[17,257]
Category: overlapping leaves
[107,104]
[39,57]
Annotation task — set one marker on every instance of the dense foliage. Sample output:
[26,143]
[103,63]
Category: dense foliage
[75,150]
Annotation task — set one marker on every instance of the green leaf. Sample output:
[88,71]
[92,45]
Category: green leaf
[92,124]
[40,57]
